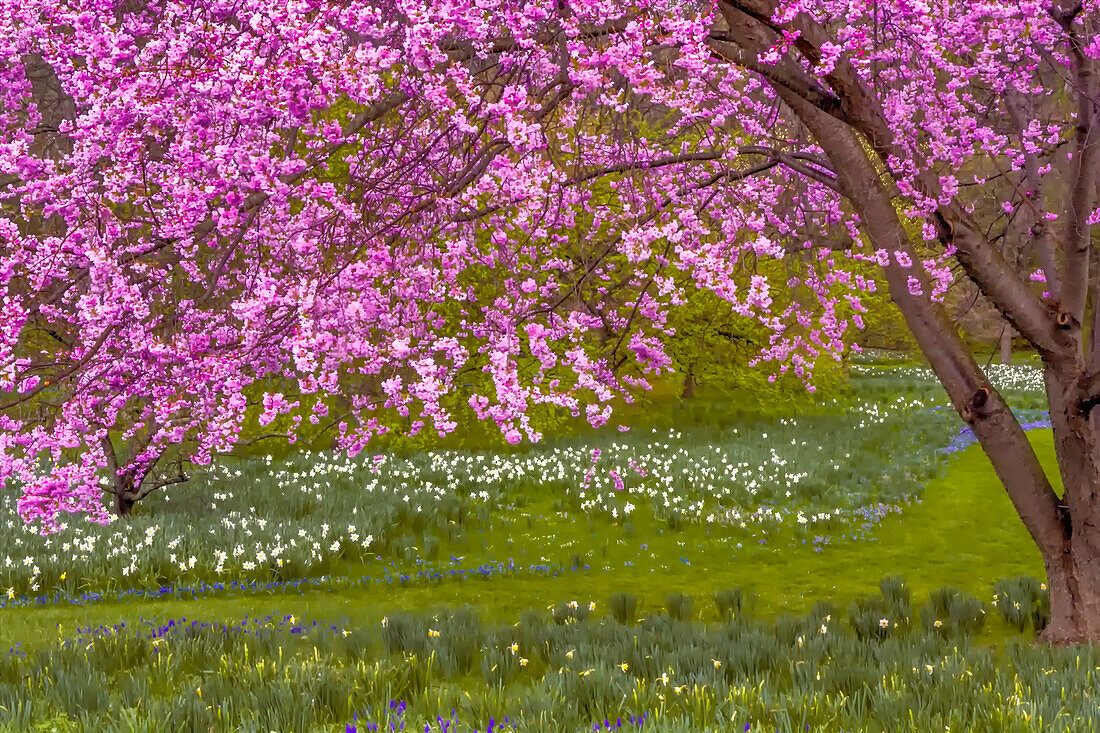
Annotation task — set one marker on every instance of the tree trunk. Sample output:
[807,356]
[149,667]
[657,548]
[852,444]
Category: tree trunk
[1073,581]
[973,397]
[1073,569]
[123,505]
[1065,528]
[689,384]
[1006,345]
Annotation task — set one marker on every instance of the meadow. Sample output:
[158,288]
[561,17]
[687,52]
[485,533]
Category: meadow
[706,569]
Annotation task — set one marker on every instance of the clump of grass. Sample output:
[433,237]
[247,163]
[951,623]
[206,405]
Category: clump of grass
[624,607]
[404,632]
[679,606]
[1022,602]
[568,612]
[885,615]
[728,601]
[431,546]
[897,594]
[499,664]
[952,613]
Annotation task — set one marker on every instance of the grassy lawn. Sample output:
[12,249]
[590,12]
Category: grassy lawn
[807,529]
[963,533]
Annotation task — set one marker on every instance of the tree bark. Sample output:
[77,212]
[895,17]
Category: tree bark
[123,505]
[1075,606]
[1073,570]
[689,384]
[1006,345]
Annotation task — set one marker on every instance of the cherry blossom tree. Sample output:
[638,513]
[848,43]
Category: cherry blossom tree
[213,210]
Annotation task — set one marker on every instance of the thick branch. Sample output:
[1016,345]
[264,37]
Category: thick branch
[147,489]
[788,76]
[65,374]
[624,167]
[976,401]
[807,164]
[848,97]
[750,27]
[1090,391]
[463,51]
[1076,242]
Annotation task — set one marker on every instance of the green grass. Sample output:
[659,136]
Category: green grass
[698,491]
[559,671]
[963,533]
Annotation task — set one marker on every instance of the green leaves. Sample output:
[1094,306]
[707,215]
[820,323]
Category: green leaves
[798,671]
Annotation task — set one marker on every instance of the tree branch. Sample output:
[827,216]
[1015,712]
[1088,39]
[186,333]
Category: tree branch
[145,490]
[726,46]
[973,397]
[998,281]
[1077,240]
[1033,197]
[68,372]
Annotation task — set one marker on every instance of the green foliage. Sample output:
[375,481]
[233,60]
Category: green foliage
[798,673]
[728,601]
[679,606]
[570,612]
[884,616]
[953,613]
[624,607]
[1023,602]
[897,594]
[499,664]
[714,347]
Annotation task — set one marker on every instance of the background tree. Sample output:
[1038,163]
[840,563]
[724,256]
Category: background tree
[714,349]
